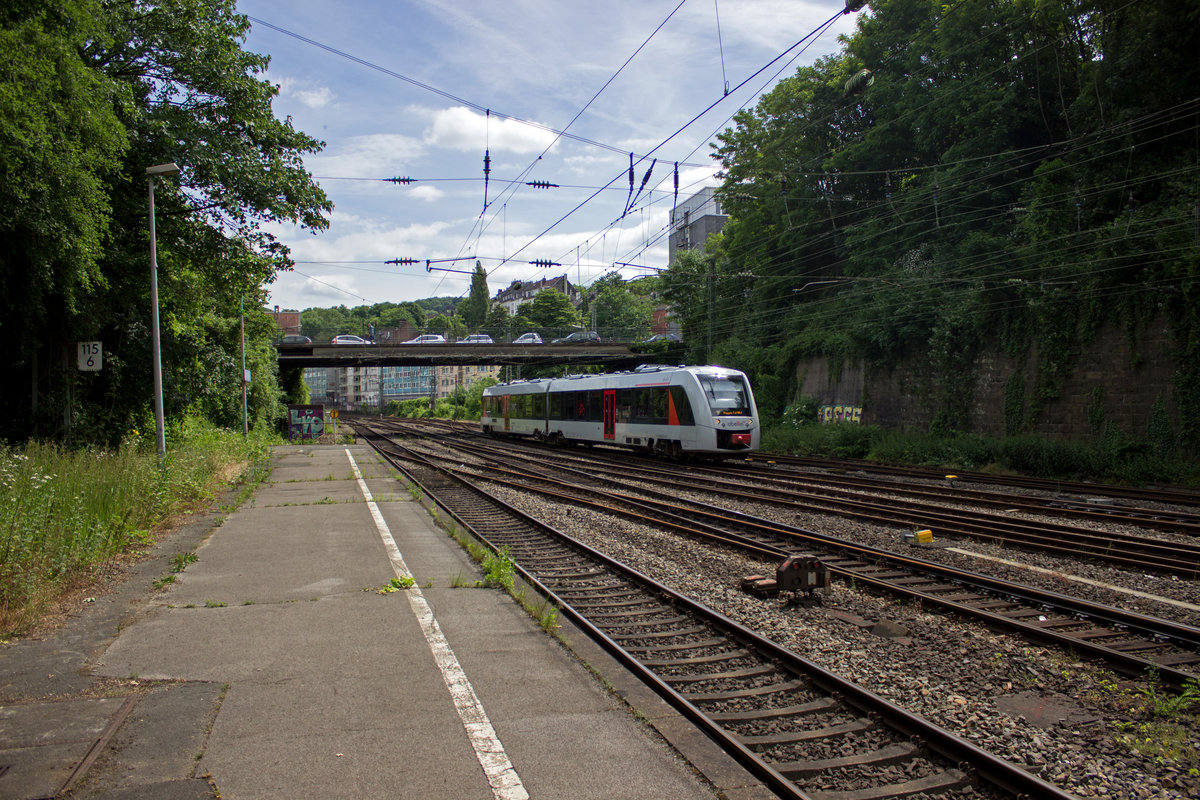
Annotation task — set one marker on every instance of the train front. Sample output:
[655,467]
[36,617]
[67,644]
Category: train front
[731,408]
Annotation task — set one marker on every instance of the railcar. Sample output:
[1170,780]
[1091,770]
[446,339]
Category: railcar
[669,411]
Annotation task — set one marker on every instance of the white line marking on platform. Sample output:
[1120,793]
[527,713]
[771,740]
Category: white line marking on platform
[501,775]
[1077,579]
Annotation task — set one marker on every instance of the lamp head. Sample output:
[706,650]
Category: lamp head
[163,170]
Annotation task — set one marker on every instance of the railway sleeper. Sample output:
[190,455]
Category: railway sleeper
[739,694]
[820,705]
[1176,659]
[892,754]
[643,624]
[705,644]
[930,784]
[756,671]
[678,633]
[627,613]
[633,603]
[796,737]
[709,659]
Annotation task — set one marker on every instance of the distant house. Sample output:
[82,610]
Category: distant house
[693,220]
[288,321]
[520,292]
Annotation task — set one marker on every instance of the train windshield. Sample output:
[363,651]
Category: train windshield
[727,395]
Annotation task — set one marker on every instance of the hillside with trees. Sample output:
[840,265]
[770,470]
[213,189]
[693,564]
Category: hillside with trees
[1009,174]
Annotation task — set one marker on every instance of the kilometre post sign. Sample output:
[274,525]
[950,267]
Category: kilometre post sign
[90,356]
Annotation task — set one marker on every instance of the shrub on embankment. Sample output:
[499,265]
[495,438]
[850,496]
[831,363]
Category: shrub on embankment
[64,512]
[1111,459]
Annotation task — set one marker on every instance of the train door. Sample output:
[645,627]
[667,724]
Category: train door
[507,412]
[610,413]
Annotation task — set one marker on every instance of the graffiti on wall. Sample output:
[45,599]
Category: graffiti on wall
[840,414]
[306,422]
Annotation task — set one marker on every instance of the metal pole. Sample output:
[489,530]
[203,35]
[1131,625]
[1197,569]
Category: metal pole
[159,427]
[242,323]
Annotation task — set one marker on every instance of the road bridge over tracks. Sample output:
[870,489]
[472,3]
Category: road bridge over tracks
[610,356]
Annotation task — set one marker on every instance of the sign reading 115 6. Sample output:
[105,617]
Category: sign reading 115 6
[90,355]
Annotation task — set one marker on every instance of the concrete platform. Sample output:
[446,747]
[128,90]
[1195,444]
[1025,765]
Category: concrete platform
[275,667]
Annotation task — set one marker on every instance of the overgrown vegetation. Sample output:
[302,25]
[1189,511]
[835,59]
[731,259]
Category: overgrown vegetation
[1111,458]
[64,512]
[1014,176]
[94,93]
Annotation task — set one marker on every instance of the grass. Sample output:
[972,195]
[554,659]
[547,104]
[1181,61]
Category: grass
[64,512]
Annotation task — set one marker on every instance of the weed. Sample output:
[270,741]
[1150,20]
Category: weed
[498,570]
[1167,706]
[180,561]
[548,620]
[164,581]
[214,604]
[394,585]
[325,501]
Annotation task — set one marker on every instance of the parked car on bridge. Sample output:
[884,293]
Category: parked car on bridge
[427,338]
[662,337]
[528,338]
[476,338]
[293,339]
[348,338]
[579,337]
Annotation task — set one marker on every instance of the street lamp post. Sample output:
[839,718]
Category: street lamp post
[159,171]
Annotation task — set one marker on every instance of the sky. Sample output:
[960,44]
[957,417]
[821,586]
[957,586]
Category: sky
[553,91]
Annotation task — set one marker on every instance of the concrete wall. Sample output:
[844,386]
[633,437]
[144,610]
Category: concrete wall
[1112,377]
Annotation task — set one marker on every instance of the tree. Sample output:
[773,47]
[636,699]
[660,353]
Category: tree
[129,85]
[474,311]
[61,140]
[1015,176]
[550,309]
[618,310]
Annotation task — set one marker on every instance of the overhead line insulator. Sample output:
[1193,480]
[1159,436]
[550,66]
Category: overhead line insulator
[403,261]
[542,184]
[401,180]
[542,262]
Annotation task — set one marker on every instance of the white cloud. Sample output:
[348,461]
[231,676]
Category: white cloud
[373,155]
[460,128]
[426,193]
[307,94]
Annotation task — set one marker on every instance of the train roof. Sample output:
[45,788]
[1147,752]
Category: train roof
[639,370]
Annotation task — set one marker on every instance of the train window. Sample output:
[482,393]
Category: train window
[683,408]
[659,405]
[727,395]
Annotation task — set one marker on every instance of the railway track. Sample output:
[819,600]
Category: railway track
[1175,497]
[1071,500]
[1130,643]
[1128,551]
[801,729]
